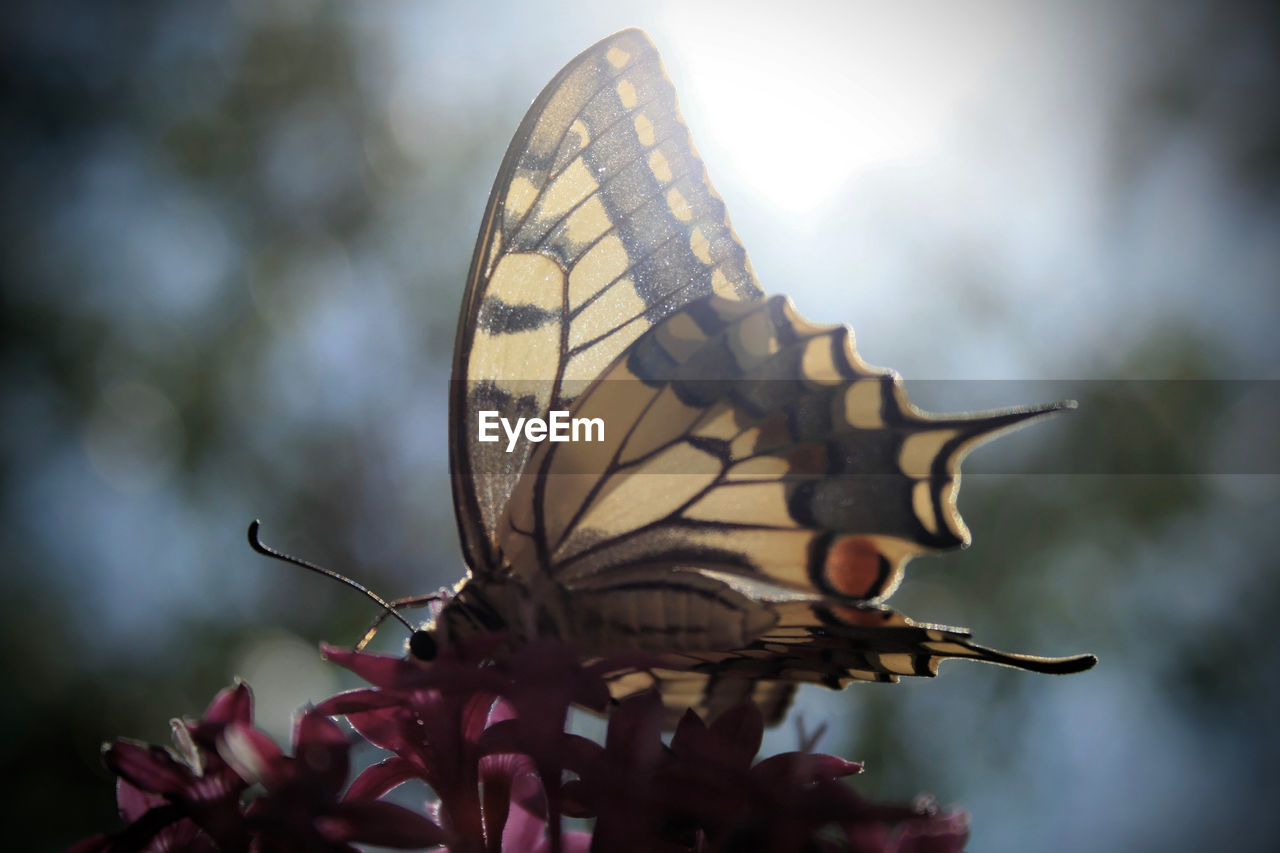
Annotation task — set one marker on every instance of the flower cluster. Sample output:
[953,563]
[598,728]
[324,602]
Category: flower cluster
[489,739]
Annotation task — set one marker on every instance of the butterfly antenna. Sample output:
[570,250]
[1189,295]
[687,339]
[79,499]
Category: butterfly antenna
[387,607]
[808,740]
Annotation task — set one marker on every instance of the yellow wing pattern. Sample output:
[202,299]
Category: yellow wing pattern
[601,222]
[758,489]
[741,436]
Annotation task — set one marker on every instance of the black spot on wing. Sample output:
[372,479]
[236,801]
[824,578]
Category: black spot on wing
[499,318]
[650,362]
[487,395]
[856,503]
[717,447]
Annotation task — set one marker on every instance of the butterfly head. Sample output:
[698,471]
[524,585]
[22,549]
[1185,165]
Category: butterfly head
[467,620]
[423,645]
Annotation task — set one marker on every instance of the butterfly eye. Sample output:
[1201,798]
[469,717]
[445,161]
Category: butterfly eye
[423,646]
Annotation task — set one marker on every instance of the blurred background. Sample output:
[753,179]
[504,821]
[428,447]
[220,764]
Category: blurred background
[235,240]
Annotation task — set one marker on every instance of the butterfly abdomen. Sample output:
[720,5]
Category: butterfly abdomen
[663,609]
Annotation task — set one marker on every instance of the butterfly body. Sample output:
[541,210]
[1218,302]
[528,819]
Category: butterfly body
[756,490]
[656,611]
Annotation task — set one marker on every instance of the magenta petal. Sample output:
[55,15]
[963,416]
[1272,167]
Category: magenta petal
[501,737]
[383,824]
[379,670]
[182,836]
[382,777]
[96,844]
[497,776]
[547,677]
[393,729]
[570,842]
[502,768]
[690,734]
[133,802]
[635,726]
[730,742]
[803,767]
[475,715]
[575,795]
[581,753]
[501,710]
[231,705]
[320,749]
[252,754]
[738,732]
[318,730]
[523,829]
[360,699]
[149,768]
[446,673]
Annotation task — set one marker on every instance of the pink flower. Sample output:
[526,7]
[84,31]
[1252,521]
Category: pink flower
[192,798]
[486,731]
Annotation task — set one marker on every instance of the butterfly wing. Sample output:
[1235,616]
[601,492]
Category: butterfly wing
[601,223]
[758,492]
[759,488]
[824,644]
[743,439]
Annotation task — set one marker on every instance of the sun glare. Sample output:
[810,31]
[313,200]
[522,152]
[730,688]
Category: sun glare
[798,106]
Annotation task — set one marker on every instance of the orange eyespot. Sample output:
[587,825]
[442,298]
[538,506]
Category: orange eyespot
[854,567]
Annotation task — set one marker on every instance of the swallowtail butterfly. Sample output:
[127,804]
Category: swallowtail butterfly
[758,489]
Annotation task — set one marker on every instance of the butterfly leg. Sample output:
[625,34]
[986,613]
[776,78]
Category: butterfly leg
[392,606]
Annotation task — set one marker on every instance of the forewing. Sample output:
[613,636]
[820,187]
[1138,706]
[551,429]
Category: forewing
[601,223]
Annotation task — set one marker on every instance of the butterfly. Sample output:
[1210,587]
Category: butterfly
[753,490]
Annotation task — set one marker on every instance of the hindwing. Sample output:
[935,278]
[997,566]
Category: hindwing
[741,437]
[758,492]
[811,643]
